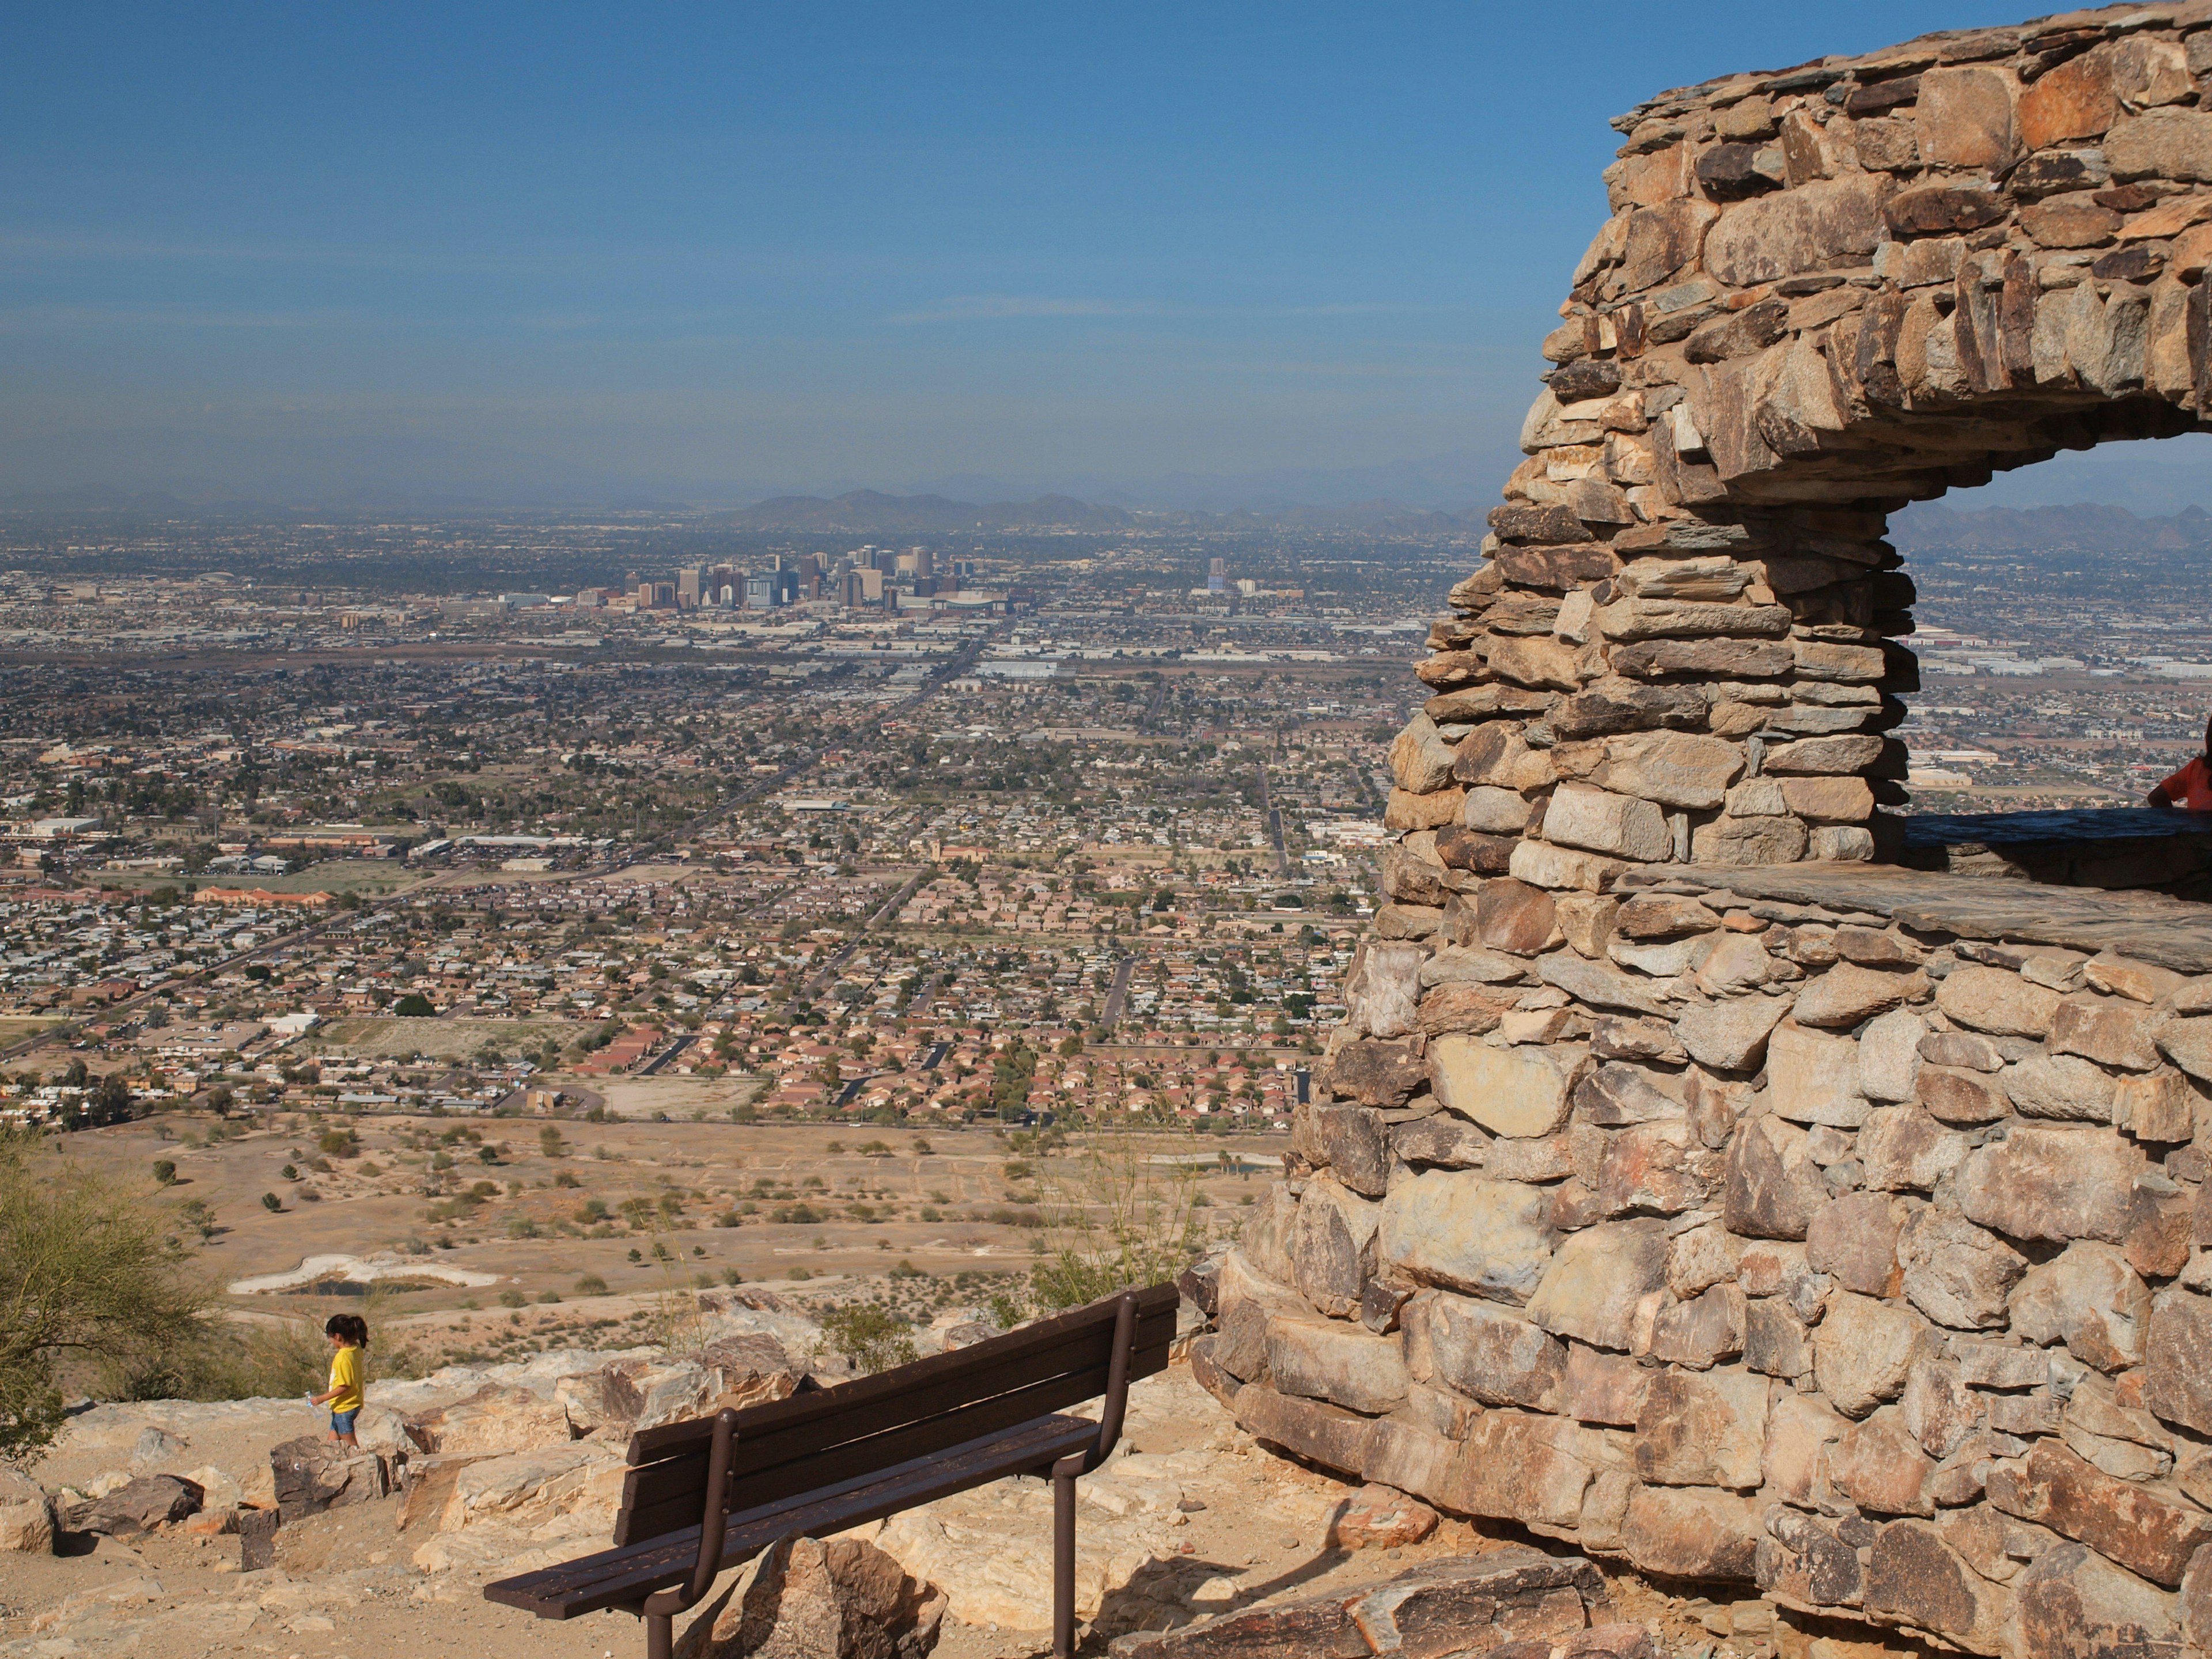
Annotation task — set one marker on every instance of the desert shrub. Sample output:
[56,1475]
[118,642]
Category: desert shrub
[1115,1221]
[871,1338]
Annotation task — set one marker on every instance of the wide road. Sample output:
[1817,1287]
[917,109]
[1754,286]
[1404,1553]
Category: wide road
[822,975]
[1274,821]
[1117,992]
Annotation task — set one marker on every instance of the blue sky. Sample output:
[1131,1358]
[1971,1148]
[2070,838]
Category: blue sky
[720,250]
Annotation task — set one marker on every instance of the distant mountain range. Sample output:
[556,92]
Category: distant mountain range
[2083,527]
[871,509]
[873,512]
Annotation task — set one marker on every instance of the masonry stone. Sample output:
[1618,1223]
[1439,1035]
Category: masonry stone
[1462,1232]
[2059,1184]
[1649,1129]
[1959,1274]
[1864,1351]
[1773,1188]
[1519,1091]
[2088,1299]
[1731,1035]
[1489,1352]
[1599,1280]
[1813,1077]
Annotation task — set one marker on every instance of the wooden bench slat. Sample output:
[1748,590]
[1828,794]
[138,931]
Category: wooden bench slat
[766,1437]
[794,1459]
[646,1517]
[623,1578]
[981,1359]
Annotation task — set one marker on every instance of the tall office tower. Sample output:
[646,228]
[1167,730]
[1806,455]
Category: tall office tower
[727,596]
[645,596]
[1217,576]
[924,563]
[687,588]
[810,575]
[759,590]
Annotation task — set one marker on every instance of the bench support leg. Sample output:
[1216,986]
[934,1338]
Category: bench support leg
[659,1635]
[1063,1555]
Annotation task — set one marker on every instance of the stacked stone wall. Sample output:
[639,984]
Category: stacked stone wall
[1822,294]
[1762,1242]
[1848,1246]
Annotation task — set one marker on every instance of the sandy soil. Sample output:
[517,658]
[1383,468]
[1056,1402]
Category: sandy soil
[871,1211]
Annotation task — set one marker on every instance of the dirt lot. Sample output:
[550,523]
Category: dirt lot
[371,878]
[638,1205]
[373,1038]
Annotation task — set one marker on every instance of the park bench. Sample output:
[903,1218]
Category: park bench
[713,1492]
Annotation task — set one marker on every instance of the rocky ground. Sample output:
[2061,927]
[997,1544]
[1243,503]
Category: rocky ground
[499,1468]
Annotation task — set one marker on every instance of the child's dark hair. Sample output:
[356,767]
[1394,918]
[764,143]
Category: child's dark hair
[348,1328]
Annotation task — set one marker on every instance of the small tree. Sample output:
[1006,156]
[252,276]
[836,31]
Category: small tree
[271,1201]
[89,1277]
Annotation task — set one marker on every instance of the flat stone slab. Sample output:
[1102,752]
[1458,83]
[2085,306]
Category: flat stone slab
[2168,932]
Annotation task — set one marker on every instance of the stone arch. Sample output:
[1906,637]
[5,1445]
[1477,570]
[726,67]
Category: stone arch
[1822,1228]
[1822,294]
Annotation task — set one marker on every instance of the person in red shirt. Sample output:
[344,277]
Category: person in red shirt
[2191,789]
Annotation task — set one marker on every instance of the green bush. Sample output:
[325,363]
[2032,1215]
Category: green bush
[591,1285]
[872,1339]
[271,1201]
[165,1171]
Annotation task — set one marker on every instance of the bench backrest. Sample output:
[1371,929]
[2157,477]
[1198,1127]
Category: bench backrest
[790,1447]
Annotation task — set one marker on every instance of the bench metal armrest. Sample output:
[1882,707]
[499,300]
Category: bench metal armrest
[662,1605]
[1116,1408]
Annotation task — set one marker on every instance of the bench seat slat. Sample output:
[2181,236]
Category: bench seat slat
[1090,1327]
[622,1577]
[660,1496]
[1080,1365]
[646,1517]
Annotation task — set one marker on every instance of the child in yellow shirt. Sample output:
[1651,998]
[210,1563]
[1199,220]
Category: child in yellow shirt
[349,1335]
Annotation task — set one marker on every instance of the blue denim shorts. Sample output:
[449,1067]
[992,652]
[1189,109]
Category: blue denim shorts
[342,1422]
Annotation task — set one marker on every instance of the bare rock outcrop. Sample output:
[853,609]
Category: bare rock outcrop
[843,1599]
